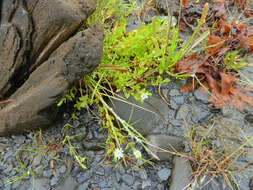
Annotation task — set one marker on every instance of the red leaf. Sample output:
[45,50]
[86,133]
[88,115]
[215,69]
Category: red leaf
[226,81]
[203,88]
[239,96]
[250,31]
[189,64]
[188,87]
[246,98]
[237,102]
[227,28]
[217,99]
[241,2]
[219,24]
[242,26]
[212,83]
[225,84]
[185,2]
[251,44]
[212,41]
[244,40]
[223,27]
[218,1]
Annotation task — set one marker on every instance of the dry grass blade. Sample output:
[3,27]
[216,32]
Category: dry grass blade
[5,101]
[219,161]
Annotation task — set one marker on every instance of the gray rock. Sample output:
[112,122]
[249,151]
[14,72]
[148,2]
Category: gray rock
[160,186]
[175,98]
[200,96]
[228,110]
[164,174]
[16,184]
[180,173]
[55,179]
[208,182]
[36,160]
[94,185]
[93,145]
[144,121]
[107,188]
[62,169]
[199,112]
[136,185]
[82,177]
[83,186]
[39,170]
[7,187]
[68,184]
[100,171]
[28,185]
[41,184]
[249,156]
[8,169]
[164,142]
[143,175]
[243,180]
[247,71]
[102,184]
[124,187]
[90,153]
[133,25]
[173,104]
[204,184]
[249,118]
[128,179]
[1,183]
[47,173]
[146,183]
[111,180]
[177,123]
[20,139]
[182,112]
[179,100]
[174,92]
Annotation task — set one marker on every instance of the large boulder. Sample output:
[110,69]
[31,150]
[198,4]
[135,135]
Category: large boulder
[41,56]
[146,117]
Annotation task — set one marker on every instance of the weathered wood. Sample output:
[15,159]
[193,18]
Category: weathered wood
[39,61]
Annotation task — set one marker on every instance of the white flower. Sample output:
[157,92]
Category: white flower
[144,96]
[118,153]
[138,140]
[137,154]
[174,21]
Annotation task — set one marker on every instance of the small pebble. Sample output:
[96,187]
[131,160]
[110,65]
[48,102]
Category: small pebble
[164,174]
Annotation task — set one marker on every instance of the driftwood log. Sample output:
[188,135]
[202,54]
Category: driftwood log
[41,56]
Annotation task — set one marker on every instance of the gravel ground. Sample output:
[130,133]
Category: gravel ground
[54,168]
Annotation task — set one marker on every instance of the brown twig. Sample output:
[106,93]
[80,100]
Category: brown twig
[5,101]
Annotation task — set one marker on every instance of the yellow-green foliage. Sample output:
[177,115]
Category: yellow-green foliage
[131,61]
